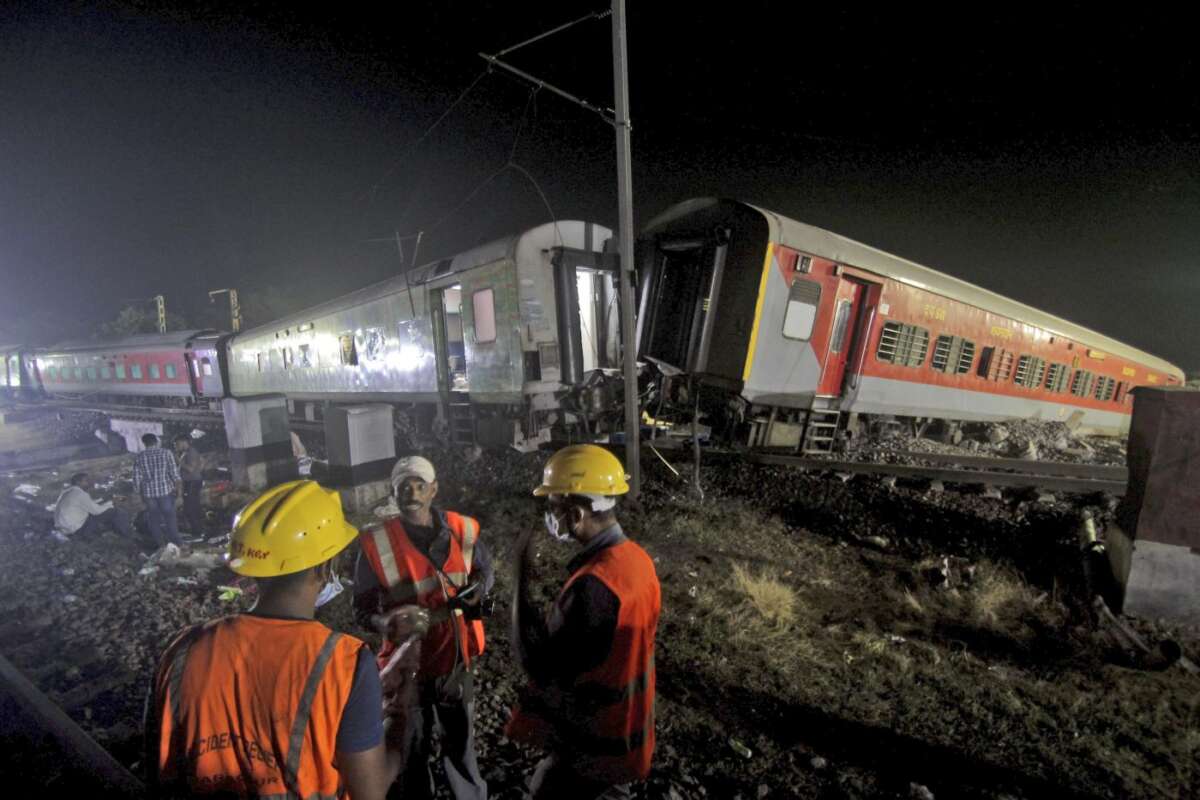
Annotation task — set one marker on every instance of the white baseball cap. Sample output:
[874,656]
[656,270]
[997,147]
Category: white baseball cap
[413,467]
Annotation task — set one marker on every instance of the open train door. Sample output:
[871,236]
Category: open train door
[853,317]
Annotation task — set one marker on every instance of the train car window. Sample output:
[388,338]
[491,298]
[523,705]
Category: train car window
[155,372]
[105,372]
[1121,390]
[1056,378]
[170,370]
[206,366]
[91,373]
[1105,387]
[79,373]
[803,299]
[287,357]
[484,304]
[1031,370]
[195,367]
[120,368]
[953,354]
[371,344]
[985,361]
[135,370]
[349,351]
[305,356]
[52,373]
[258,357]
[906,345]
[841,321]
[1081,383]
[1002,366]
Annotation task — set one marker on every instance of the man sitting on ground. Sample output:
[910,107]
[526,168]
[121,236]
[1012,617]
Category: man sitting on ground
[75,512]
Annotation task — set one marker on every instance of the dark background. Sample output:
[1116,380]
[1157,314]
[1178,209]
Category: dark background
[1047,153]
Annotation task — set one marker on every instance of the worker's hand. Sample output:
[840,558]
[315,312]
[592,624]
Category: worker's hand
[402,623]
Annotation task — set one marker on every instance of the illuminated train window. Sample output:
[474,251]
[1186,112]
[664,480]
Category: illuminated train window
[349,351]
[170,370]
[135,371]
[902,344]
[803,299]
[371,344]
[105,372]
[953,354]
[305,357]
[206,366]
[79,373]
[52,373]
[1030,371]
[1105,388]
[120,368]
[155,372]
[91,373]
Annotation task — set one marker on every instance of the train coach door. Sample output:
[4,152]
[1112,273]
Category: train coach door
[844,337]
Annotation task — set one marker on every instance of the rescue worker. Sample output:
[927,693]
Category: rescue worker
[434,559]
[271,702]
[590,700]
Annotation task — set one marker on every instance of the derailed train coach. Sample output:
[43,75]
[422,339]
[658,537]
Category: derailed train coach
[499,344]
[787,335]
[18,372]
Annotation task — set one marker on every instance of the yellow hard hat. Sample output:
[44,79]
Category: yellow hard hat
[583,469]
[288,528]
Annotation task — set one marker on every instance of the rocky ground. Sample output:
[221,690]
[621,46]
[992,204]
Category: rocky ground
[820,637]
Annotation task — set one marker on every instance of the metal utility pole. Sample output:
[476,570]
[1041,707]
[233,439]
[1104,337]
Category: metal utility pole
[624,215]
[161,303]
[235,310]
[633,422]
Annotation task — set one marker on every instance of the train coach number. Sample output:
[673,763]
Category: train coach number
[934,312]
[1001,333]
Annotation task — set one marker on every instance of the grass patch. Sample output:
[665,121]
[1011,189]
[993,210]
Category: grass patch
[774,600]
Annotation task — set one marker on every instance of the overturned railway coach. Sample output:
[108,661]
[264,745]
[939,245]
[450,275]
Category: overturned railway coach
[807,335]
[500,343]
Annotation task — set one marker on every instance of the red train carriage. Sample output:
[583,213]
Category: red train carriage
[144,368]
[809,331]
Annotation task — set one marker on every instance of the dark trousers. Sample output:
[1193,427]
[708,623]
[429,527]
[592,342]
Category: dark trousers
[114,518]
[554,778]
[192,511]
[160,516]
[455,721]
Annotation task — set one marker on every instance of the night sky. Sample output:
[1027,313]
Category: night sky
[1048,154]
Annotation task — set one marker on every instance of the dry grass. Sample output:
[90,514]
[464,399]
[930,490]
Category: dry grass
[1001,596]
[773,600]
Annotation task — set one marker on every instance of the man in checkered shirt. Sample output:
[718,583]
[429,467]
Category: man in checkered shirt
[155,476]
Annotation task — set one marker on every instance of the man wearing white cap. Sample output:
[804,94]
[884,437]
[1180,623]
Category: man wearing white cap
[433,559]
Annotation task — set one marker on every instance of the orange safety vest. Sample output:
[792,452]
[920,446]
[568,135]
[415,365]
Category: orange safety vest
[604,722]
[411,579]
[249,706]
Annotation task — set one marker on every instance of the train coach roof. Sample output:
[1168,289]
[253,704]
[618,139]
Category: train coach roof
[823,243]
[137,340]
[570,233]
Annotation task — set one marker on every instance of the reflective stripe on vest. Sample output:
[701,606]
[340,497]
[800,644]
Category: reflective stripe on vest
[292,768]
[410,578]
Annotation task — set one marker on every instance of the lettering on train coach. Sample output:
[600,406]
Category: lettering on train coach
[934,312]
[1001,332]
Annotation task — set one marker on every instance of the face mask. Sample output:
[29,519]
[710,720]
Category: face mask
[555,528]
[330,590]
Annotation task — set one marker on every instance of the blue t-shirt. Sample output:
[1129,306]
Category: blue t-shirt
[361,727]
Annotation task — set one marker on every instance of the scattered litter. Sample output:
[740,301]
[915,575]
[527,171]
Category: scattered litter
[167,554]
[693,574]
[60,536]
[27,488]
[149,569]
[740,749]
[228,593]
[694,591]
[877,541]
[197,433]
[818,763]
[69,598]
[101,435]
[218,539]
[51,507]
[304,465]
[68,571]
[895,638]
[388,509]
[185,581]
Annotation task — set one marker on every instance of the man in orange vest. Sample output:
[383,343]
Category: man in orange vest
[271,702]
[590,700]
[433,559]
